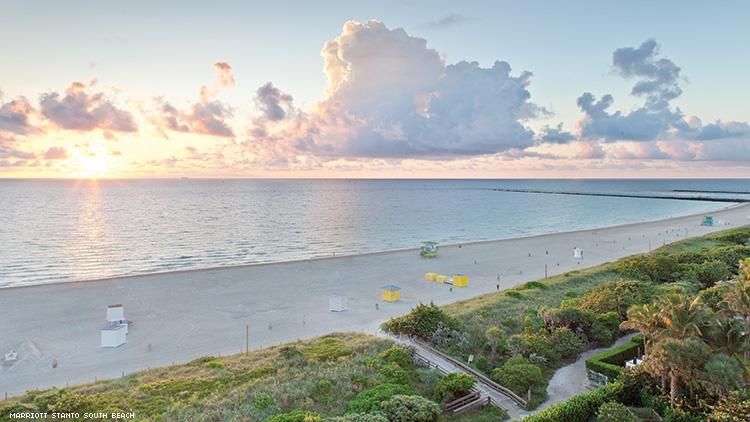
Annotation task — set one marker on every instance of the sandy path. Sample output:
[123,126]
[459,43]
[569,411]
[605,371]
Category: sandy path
[185,315]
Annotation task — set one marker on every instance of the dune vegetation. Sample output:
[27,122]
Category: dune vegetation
[519,337]
[340,377]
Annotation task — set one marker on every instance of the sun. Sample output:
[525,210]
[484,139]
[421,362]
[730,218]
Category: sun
[93,163]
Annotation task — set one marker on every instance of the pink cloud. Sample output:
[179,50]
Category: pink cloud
[82,110]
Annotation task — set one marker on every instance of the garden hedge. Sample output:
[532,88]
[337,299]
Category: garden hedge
[611,361]
[579,408]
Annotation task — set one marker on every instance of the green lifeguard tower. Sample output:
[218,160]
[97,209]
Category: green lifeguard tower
[708,221]
[429,249]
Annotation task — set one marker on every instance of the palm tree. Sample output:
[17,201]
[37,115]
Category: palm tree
[642,318]
[736,303]
[679,359]
[727,335]
[673,316]
[681,317]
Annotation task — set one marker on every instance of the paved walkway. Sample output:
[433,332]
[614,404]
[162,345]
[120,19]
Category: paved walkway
[573,379]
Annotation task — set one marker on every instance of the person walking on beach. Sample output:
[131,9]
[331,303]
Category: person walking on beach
[498,287]
[377,307]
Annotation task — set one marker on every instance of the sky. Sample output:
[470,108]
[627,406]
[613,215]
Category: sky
[374,89]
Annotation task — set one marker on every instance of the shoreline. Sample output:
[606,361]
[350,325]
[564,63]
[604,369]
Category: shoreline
[373,253]
[179,316]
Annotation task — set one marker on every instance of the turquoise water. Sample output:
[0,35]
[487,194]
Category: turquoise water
[53,231]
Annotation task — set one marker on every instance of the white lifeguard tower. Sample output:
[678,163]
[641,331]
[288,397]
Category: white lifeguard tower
[116,315]
[114,335]
[338,303]
[577,253]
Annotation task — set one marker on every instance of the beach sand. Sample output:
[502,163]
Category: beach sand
[181,316]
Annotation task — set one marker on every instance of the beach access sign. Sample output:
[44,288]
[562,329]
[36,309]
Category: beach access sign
[75,416]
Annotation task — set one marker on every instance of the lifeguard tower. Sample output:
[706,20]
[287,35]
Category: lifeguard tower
[391,293]
[429,249]
[708,221]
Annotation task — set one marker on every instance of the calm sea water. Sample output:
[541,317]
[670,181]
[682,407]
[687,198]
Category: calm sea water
[52,231]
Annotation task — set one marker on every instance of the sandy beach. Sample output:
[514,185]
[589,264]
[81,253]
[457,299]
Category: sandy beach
[184,315]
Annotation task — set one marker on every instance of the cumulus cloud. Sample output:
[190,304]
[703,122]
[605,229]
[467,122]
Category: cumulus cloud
[555,134]
[224,80]
[203,117]
[15,116]
[390,95]
[273,103]
[207,116]
[663,130]
[81,110]
[659,77]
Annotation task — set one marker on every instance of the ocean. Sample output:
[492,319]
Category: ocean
[72,230]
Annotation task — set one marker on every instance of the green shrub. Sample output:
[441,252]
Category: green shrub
[453,386]
[399,356]
[579,408]
[401,408]
[613,411]
[604,328]
[691,257]
[263,401]
[394,374]
[729,255]
[519,375]
[322,391]
[617,296]
[740,237]
[566,343]
[679,415]
[571,317]
[295,416]
[215,364]
[706,273]
[514,294]
[656,267]
[554,345]
[370,400]
[535,285]
[422,321]
[43,400]
[326,350]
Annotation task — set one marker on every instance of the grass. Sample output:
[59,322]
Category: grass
[320,375]
[239,387]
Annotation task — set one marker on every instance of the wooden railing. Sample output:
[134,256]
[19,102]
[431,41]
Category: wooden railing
[464,404]
[467,403]
[492,384]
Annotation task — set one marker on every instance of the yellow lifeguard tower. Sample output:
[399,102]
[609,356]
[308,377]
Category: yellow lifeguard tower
[391,293]
[460,280]
[430,276]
